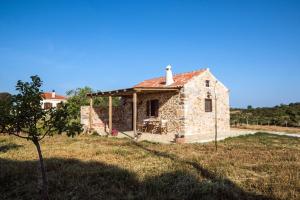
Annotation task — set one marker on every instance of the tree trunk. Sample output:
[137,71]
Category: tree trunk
[45,195]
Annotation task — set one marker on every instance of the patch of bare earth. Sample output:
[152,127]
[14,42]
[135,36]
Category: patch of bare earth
[260,166]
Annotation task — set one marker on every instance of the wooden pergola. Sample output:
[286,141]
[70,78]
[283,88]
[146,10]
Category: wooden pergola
[125,92]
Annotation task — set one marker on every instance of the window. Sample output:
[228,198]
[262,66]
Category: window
[207,83]
[208,105]
[47,105]
[59,105]
[152,108]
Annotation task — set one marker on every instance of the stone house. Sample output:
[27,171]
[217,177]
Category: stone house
[194,104]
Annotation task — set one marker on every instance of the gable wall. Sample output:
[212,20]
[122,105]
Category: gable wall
[200,125]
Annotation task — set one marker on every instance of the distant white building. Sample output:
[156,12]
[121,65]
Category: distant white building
[52,100]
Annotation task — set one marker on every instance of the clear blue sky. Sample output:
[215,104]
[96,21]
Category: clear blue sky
[253,47]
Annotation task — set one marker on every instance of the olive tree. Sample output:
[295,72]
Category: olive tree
[27,120]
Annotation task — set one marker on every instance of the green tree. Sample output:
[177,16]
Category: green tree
[5,106]
[27,120]
[282,115]
[78,97]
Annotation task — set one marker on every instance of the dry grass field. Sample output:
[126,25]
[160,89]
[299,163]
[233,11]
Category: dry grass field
[260,166]
[269,128]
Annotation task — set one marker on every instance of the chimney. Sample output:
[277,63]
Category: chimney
[53,94]
[169,76]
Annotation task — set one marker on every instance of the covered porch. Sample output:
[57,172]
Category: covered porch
[133,95]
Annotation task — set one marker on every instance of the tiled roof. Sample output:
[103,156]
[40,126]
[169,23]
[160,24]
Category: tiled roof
[179,80]
[48,95]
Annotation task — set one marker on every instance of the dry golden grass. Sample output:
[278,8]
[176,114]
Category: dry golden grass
[269,128]
[260,166]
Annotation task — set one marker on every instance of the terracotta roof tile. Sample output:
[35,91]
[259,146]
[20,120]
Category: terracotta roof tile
[48,95]
[179,80]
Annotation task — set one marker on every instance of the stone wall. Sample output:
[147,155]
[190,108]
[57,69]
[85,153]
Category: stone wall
[170,109]
[100,118]
[200,125]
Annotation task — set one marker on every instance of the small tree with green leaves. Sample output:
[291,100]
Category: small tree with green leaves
[78,97]
[27,120]
[5,105]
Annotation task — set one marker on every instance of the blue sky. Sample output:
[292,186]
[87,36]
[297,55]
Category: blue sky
[253,47]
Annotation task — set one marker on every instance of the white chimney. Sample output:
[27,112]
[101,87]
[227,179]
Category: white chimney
[53,94]
[169,76]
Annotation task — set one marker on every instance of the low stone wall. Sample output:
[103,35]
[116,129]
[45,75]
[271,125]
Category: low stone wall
[100,118]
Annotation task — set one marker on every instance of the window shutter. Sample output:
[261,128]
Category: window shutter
[156,107]
[207,83]
[208,105]
[152,108]
[47,105]
[148,108]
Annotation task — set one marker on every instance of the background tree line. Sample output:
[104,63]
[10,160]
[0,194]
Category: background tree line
[281,115]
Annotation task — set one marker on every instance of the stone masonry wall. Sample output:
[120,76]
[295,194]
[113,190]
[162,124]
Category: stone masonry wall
[170,108]
[100,118]
[200,125]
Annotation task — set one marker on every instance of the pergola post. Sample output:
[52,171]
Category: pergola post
[134,113]
[90,113]
[110,114]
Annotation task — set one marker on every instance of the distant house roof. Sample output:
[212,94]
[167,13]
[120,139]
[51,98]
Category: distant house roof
[48,95]
[179,80]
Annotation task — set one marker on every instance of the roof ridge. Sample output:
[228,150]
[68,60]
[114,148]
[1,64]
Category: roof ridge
[182,73]
[179,79]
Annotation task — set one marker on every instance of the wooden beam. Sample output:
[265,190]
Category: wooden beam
[130,91]
[134,113]
[110,114]
[156,89]
[90,113]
